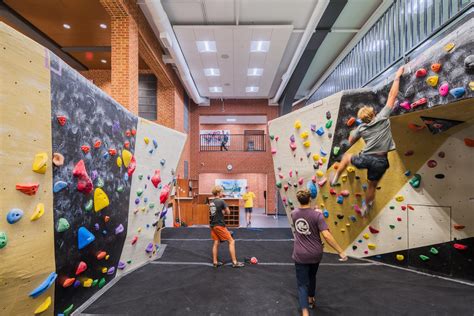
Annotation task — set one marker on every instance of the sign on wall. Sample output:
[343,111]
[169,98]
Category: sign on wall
[214,137]
[232,187]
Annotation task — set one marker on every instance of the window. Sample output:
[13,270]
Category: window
[186,169]
[147,104]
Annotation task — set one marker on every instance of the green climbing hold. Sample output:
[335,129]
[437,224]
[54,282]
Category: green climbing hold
[63,225]
[325,196]
[278,184]
[290,202]
[392,226]
[120,189]
[392,207]
[151,205]
[424,258]
[329,124]
[129,261]
[101,283]
[68,310]
[415,181]
[89,205]
[139,191]
[336,150]
[434,251]
[3,239]
[100,183]
[140,177]
[94,283]
[272,137]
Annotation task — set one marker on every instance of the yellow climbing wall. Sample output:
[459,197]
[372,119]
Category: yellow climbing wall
[25,130]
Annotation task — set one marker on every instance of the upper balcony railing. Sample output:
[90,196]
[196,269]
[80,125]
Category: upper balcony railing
[232,142]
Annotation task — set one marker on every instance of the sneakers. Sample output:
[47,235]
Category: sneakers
[365,210]
[238,265]
[217,265]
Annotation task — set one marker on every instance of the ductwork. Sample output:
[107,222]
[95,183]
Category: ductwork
[318,12]
[159,22]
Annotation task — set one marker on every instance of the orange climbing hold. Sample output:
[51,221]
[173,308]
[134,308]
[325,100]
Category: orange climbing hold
[350,121]
[459,227]
[97,144]
[436,67]
[469,142]
[68,282]
[336,165]
[419,102]
[106,218]
[101,255]
[415,127]
[28,188]
[85,149]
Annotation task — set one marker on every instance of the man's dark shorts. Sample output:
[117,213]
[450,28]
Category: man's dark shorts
[248,210]
[375,165]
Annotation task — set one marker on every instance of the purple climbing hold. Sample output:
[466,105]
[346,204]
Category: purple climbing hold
[76,284]
[292,138]
[313,128]
[111,271]
[96,226]
[116,127]
[94,175]
[137,201]
[149,248]
[121,265]
[119,229]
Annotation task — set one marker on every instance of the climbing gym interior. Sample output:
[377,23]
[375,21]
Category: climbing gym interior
[139,110]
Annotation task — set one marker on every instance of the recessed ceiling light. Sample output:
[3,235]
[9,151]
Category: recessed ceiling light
[103,61]
[103,26]
[206,46]
[259,46]
[231,120]
[212,72]
[215,89]
[254,72]
[66,26]
[251,89]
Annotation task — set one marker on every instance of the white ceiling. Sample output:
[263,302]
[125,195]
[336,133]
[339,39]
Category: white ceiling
[233,119]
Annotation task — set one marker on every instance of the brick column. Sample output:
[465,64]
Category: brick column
[166,105]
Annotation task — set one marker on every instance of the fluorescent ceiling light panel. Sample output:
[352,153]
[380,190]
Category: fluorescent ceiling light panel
[206,46]
[255,72]
[231,120]
[259,46]
[215,89]
[251,89]
[212,72]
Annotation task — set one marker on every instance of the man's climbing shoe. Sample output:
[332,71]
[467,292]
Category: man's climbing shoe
[365,209]
[217,265]
[238,265]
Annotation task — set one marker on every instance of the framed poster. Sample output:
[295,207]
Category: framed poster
[232,187]
[214,137]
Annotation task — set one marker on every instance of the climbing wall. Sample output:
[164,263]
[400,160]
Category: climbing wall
[151,181]
[26,246]
[427,225]
[74,170]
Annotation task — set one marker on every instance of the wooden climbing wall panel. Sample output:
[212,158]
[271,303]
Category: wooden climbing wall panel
[25,130]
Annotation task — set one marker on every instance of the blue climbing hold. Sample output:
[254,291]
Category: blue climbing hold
[322,152]
[162,162]
[84,237]
[364,187]
[59,186]
[155,143]
[457,92]
[312,189]
[44,286]
[14,215]
[145,199]
[340,199]
[320,131]
[151,150]
[163,214]
[106,155]
[325,213]
[407,173]
[125,176]
[104,232]
[358,122]
[353,218]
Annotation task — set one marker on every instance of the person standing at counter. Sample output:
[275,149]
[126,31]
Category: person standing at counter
[248,197]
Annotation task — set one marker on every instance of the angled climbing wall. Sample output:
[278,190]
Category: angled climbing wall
[81,170]
[427,226]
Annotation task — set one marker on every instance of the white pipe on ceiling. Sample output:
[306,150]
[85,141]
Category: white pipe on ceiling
[318,12]
[159,22]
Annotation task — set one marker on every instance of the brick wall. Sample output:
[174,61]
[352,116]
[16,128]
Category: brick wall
[101,78]
[242,162]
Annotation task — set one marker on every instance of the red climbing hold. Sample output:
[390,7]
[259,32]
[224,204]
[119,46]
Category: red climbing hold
[460,246]
[441,154]
[409,153]
[84,183]
[85,149]
[156,179]
[332,192]
[469,142]
[431,163]
[399,219]
[459,227]
[134,240]
[126,144]
[127,133]
[415,127]
[97,144]
[28,188]
[132,166]
[134,131]
[112,151]
[373,230]
[164,194]
[81,267]
[350,121]
[404,208]
[419,102]
[61,120]
[79,169]
[421,73]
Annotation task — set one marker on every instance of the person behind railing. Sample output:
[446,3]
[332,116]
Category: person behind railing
[225,139]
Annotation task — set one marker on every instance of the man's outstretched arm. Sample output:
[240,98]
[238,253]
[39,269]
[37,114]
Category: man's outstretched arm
[392,96]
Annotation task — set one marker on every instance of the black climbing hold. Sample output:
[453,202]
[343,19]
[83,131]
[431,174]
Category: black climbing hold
[357,177]
[354,247]
[410,92]
[469,63]
[328,115]
[439,176]
[340,216]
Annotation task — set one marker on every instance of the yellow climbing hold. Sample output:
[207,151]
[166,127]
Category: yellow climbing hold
[315,157]
[471,85]
[139,229]
[448,47]
[304,135]
[44,306]
[146,139]
[307,144]
[344,177]
[126,157]
[104,270]
[348,224]
[350,169]
[101,200]
[319,173]
[107,257]
[39,211]
[371,246]
[324,159]
[322,206]
[87,283]
[40,163]
[298,124]
[400,257]
[119,162]
[342,230]
[399,198]
[432,81]
[366,236]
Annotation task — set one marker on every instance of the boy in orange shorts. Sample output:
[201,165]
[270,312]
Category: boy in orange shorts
[219,232]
